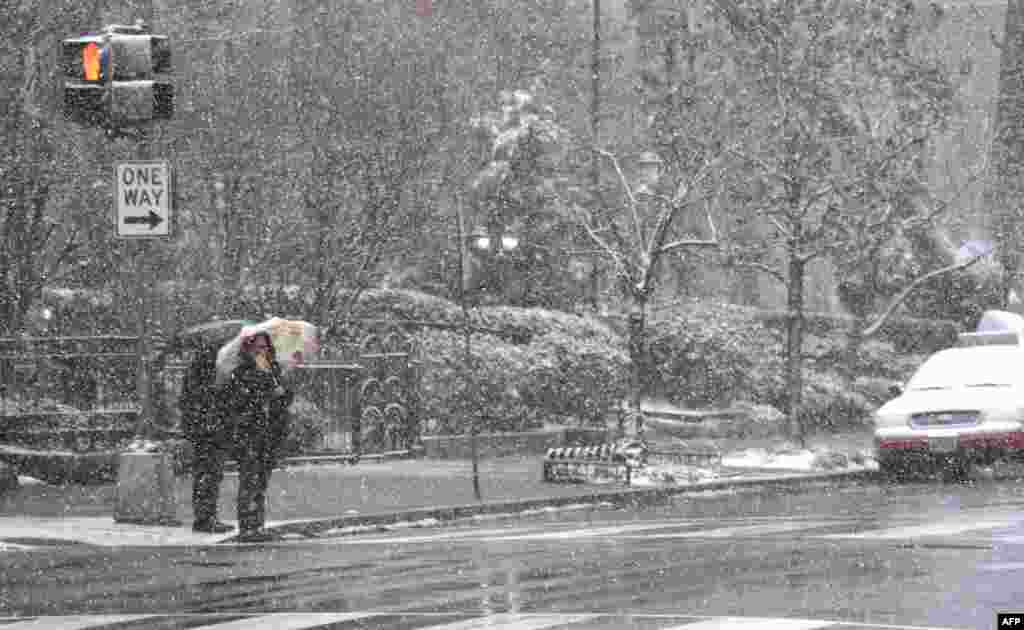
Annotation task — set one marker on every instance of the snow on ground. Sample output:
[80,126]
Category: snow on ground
[11,547]
[671,474]
[805,460]
[25,480]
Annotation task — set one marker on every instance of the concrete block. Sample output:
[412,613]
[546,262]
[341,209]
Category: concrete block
[145,489]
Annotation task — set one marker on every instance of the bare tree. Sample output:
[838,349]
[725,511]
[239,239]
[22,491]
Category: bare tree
[370,111]
[34,246]
[1005,196]
[839,115]
[636,237]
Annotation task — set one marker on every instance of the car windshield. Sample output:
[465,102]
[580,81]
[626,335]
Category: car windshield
[977,368]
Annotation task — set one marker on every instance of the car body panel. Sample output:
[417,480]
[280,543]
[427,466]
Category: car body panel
[959,401]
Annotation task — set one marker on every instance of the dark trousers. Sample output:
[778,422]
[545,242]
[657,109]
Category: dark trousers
[208,456]
[253,478]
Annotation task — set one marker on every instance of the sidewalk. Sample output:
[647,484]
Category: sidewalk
[325,493]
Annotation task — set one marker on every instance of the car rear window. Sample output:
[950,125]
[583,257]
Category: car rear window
[974,367]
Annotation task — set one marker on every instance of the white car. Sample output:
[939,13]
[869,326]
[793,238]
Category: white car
[964,404]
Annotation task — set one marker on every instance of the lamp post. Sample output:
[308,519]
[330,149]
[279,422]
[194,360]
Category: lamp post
[482,241]
[467,340]
[494,246]
[650,165]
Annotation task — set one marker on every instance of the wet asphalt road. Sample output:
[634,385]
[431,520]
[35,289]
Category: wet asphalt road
[925,554]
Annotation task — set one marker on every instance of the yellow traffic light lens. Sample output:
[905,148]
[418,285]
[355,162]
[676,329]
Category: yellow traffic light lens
[91,61]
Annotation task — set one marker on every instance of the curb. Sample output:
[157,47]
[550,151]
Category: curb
[305,460]
[622,497]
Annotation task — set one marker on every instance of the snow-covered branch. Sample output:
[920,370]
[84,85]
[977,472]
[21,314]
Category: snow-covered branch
[913,286]
[628,189]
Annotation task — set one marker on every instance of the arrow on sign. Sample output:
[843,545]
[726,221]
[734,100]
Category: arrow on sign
[153,219]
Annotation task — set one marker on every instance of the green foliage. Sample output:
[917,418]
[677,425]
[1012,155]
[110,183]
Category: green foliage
[485,389]
[960,297]
[575,377]
[879,271]
[717,355]
[706,352]
[514,190]
[830,402]
[544,322]
[907,334]
[565,374]
[834,105]
[406,304]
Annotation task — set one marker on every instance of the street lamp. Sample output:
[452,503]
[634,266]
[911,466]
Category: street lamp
[509,242]
[650,166]
[480,239]
[493,247]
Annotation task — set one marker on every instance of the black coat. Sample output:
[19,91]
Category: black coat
[203,414]
[261,414]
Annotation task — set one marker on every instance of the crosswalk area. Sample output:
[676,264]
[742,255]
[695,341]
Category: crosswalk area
[440,621]
[983,527]
[978,528]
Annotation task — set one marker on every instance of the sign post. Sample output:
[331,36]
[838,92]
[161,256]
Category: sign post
[142,213]
[143,200]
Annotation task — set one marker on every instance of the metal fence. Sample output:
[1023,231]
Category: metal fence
[81,393]
[75,393]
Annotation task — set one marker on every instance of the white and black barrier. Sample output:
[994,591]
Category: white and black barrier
[603,463]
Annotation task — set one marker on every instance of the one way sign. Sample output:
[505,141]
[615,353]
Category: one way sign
[143,200]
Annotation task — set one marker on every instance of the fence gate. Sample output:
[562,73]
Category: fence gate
[387,400]
[68,393]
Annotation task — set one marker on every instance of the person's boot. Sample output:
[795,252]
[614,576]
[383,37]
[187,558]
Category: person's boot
[212,526]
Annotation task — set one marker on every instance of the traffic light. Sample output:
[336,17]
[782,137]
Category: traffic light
[85,65]
[112,79]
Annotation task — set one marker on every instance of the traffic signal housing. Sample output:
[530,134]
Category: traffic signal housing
[113,79]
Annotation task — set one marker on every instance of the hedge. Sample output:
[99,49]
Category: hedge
[573,370]
[907,334]
[715,354]
[556,378]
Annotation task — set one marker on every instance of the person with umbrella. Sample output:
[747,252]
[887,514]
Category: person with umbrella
[259,401]
[206,425]
[205,421]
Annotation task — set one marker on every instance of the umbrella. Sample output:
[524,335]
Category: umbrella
[211,334]
[294,341]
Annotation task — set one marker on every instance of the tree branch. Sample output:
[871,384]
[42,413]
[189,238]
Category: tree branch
[768,168]
[598,239]
[762,267]
[629,195]
[683,243]
[668,215]
[913,286]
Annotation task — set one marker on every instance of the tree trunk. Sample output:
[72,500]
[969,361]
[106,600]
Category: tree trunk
[1008,143]
[637,359]
[854,340]
[794,345]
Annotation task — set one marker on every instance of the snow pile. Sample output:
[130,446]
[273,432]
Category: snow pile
[670,474]
[804,460]
[144,446]
[10,547]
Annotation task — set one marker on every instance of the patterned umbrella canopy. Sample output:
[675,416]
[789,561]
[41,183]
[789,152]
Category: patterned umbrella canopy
[211,334]
[294,341]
